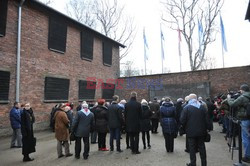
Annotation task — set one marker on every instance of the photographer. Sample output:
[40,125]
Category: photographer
[240,103]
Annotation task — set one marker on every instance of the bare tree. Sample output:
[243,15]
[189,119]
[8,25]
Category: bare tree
[81,10]
[183,15]
[128,70]
[208,63]
[115,24]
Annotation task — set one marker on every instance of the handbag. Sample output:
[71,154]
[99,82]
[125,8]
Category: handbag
[207,137]
[72,137]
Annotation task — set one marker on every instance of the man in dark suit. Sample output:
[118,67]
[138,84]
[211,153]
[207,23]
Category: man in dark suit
[132,120]
[195,121]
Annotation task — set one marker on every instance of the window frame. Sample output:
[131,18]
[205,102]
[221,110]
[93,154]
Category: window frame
[86,37]
[3,17]
[103,89]
[57,21]
[107,46]
[48,100]
[7,84]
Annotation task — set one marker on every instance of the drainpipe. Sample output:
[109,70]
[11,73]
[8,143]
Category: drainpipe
[18,49]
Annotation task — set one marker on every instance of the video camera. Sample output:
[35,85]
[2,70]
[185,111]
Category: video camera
[234,94]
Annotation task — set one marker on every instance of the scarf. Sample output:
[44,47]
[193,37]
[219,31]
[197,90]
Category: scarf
[85,111]
[194,103]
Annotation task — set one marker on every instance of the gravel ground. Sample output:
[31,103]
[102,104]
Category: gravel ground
[217,153]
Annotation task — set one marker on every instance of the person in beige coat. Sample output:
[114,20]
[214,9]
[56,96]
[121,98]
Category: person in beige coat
[62,131]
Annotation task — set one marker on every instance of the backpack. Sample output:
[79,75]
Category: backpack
[248,108]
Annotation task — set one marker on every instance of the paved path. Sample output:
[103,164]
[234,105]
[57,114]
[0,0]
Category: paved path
[217,153]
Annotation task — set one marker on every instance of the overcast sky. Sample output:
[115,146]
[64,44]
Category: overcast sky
[147,14]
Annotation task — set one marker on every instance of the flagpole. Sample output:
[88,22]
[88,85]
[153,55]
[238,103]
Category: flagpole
[162,51]
[145,59]
[179,45]
[223,40]
[223,56]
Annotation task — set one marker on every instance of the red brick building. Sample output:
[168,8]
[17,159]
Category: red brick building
[57,55]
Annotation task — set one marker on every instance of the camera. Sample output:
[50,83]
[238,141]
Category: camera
[234,94]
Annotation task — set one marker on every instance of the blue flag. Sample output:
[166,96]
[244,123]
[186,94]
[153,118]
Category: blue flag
[162,47]
[200,33]
[223,37]
[145,45]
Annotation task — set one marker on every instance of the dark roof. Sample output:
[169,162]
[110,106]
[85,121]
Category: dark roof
[44,8]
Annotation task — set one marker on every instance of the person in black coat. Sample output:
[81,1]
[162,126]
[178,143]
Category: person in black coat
[115,123]
[179,109]
[132,120]
[168,123]
[101,124]
[210,108]
[28,139]
[196,123]
[145,123]
[155,108]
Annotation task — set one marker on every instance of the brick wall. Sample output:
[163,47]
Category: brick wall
[220,80]
[37,62]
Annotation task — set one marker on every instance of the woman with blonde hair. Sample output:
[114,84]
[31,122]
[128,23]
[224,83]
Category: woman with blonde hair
[145,123]
[28,139]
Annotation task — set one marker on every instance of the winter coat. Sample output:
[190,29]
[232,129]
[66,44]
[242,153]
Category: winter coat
[168,121]
[195,121]
[132,115]
[28,140]
[210,108]
[15,118]
[240,104]
[145,122]
[70,116]
[155,108]
[115,116]
[179,109]
[101,119]
[61,126]
[83,123]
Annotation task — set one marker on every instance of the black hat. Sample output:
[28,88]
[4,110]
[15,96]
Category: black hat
[244,87]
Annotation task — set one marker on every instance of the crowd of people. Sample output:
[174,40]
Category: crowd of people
[192,116]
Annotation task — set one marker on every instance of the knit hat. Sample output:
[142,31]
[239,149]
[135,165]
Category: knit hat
[180,100]
[244,87]
[144,102]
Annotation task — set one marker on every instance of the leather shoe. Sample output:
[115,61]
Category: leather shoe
[27,159]
[68,155]
[60,156]
[246,159]
[136,152]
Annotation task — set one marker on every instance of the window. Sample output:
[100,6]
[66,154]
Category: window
[87,41]
[57,34]
[107,53]
[86,90]
[108,90]
[56,89]
[3,16]
[4,86]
